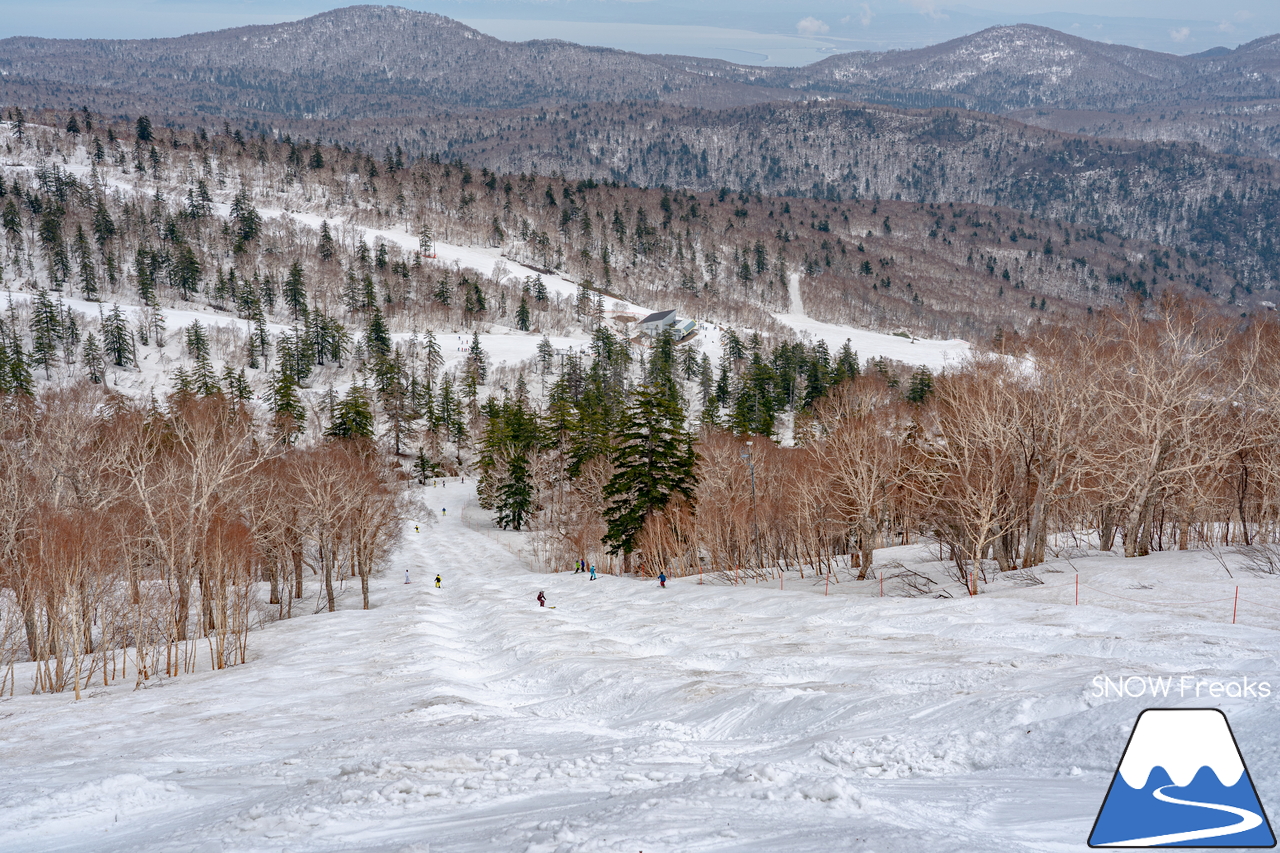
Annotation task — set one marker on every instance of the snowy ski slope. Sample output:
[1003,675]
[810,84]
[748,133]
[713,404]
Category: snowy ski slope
[631,718]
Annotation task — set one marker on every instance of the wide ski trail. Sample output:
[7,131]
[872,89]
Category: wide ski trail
[692,718]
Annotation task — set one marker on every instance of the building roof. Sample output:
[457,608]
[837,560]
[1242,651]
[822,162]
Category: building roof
[658,316]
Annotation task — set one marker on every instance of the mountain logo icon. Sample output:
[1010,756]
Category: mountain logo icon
[1182,783]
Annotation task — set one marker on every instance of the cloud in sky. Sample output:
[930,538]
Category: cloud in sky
[926,7]
[864,16]
[811,26]
[1180,34]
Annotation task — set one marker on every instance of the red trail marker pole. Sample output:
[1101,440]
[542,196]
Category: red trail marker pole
[1235,606]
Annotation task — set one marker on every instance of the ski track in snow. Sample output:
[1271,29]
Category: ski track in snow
[695,718]
[793,293]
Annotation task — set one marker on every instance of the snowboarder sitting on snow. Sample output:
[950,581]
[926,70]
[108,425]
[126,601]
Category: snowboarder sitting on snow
[593,573]
[437,581]
[542,599]
[662,579]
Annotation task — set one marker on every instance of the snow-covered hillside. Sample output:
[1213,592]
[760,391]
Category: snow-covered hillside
[635,718]
[299,210]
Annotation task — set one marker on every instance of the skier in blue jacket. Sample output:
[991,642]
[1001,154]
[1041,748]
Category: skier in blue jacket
[662,579]
[593,573]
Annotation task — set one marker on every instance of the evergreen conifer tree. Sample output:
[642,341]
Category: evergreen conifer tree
[654,461]
[295,291]
[104,228]
[449,413]
[706,380]
[143,271]
[185,272]
[423,468]
[755,406]
[203,377]
[818,375]
[20,381]
[516,495]
[511,435]
[921,385]
[432,359]
[288,415]
[477,360]
[546,354]
[293,356]
[327,248]
[377,338]
[197,341]
[237,384]
[92,355]
[662,366]
[846,366]
[394,394]
[46,332]
[247,220]
[352,417]
[182,386]
[117,341]
[84,259]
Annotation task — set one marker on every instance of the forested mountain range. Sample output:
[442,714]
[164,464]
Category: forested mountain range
[365,62]
[377,76]
[1175,194]
[940,269]
[361,62]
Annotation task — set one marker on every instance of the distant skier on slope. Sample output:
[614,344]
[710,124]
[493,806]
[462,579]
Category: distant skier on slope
[593,573]
[662,579]
[406,575]
[542,599]
[437,581]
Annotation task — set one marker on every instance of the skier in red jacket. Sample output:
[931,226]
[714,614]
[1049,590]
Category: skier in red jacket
[542,599]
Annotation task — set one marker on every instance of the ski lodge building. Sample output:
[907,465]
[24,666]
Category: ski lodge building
[653,325]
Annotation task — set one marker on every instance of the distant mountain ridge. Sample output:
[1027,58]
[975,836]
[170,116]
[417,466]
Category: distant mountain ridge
[361,62]
[1014,67]
[366,61]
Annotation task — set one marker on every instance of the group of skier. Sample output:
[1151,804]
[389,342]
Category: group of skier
[578,567]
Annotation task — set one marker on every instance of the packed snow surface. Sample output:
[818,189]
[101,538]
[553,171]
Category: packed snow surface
[700,717]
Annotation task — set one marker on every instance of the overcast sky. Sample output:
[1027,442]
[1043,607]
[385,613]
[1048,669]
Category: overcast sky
[760,31]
